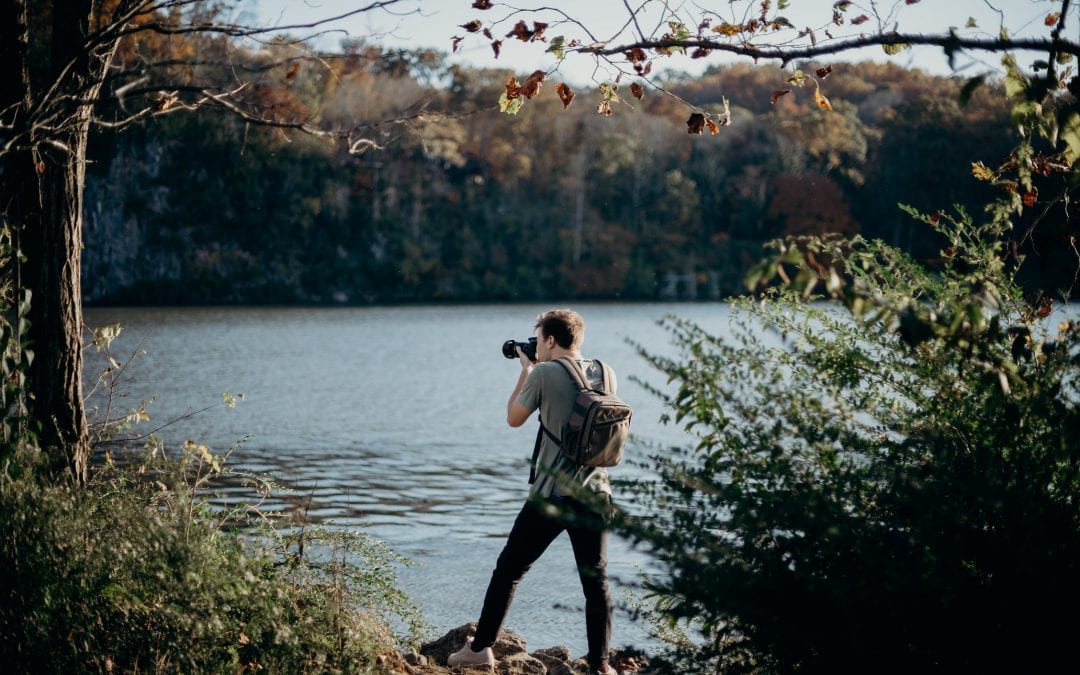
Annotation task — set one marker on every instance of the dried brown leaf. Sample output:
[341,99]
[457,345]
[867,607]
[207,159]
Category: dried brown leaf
[696,123]
[637,90]
[777,94]
[565,94]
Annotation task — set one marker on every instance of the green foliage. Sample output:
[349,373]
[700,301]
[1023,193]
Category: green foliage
[888,483]
[140,572]
[17,437]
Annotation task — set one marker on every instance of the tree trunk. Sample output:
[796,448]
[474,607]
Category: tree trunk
[49,218]
[53,268]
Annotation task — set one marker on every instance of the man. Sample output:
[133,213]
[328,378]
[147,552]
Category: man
[563,495]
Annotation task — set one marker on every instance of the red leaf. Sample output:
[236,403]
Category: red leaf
[565,94]
[636,55]
[777,94]
[696,123]
[1031,197]
[1052,18]
[861,19]
[532,85]
[521,31]
[512,89]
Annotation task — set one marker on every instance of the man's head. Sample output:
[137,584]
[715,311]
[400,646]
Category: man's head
[564,327]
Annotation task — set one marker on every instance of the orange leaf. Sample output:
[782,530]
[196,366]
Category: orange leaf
[1031,197]
[822,102]
[777,94]
[637,90]
[293,70]
[1052,18]
[696,123]
[40,167]
[712,126]
[565,94]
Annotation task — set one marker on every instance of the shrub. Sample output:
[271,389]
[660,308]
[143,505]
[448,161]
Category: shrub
[887,483]
[137,572]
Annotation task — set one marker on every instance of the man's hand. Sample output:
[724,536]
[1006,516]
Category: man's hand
[526,362]
[516,414]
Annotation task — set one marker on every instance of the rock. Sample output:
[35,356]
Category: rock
[558,661]
[512,657]
[508,644]
[520,664]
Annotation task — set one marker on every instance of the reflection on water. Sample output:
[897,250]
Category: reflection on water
[393,419]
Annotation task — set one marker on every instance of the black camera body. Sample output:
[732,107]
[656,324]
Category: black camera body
[510,347]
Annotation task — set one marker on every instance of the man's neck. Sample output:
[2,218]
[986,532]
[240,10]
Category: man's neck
[559,352]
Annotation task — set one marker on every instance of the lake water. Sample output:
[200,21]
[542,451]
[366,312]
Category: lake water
[394,419]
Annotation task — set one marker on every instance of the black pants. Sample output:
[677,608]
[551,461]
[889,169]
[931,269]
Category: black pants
[538,524]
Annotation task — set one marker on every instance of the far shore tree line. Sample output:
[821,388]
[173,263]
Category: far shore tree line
[547,204]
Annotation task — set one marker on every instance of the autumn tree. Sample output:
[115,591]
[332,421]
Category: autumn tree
[68,66]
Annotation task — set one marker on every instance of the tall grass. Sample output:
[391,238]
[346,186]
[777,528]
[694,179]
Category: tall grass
[138,572]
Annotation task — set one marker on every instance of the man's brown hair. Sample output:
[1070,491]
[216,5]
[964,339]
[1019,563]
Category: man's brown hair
[565,325]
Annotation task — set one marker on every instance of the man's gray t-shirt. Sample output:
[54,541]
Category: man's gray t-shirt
[549,388]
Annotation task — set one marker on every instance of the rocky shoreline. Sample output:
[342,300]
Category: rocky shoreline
[512,658]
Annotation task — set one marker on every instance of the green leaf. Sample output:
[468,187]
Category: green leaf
[1069,134]
[1015,82]
[783,4]
[894,49]
[971,23]
[1064,58]
[797,78]
[510,106]
[557,47]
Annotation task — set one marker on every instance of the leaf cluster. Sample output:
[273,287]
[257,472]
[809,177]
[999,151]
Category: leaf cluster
[884,483]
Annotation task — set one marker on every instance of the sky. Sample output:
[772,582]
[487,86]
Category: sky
[432,23]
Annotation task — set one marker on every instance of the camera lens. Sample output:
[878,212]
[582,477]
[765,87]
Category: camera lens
[509,349]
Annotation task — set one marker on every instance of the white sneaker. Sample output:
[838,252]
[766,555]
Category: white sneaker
[467,657]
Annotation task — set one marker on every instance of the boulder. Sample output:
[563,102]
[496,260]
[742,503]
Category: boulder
[508,644]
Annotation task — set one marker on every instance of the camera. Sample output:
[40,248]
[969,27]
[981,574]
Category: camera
[529,347]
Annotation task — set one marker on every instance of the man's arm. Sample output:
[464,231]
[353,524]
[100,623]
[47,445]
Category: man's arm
[516,414]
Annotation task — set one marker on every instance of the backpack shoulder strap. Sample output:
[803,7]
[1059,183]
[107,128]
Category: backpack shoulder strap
[606,374]
[575,372]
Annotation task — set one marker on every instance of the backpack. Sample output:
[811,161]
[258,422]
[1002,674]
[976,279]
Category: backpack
[599,423]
